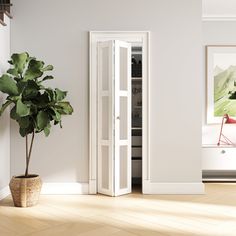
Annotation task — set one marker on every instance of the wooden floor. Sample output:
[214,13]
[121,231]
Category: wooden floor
[130,215]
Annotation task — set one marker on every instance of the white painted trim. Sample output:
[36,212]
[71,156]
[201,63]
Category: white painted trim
[4,192]
[219,18]
[92,186]
[129,36]
[173,188]
[64,188]
[55,188]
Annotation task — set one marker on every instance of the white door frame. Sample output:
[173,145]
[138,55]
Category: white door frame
[132,37]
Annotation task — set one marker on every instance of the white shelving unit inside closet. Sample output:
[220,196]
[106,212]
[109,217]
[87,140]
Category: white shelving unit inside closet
[136,115]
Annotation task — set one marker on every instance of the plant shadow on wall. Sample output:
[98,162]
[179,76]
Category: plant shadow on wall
[35,108]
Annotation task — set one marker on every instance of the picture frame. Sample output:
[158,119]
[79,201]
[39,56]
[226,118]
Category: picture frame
[221,82]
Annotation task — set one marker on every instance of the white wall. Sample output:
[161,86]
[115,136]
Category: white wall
[217,33]
[219,8]
[58,33]
[4,119]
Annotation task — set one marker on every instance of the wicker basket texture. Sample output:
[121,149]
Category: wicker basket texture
[25,191]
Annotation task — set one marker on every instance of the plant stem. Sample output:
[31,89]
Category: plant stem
[31,145]
[28,153]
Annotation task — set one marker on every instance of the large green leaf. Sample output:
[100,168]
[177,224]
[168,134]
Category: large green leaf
[13,98]
[13,72]
[47,130]
[34,70]
[22,109]
[51,94]
[55,114]
[31,90]
[41,101]
[33,107]
[42,120]
[47,68]
[4,106]
[8,85]
[24,131]
[48,77]
[21,85]
[13,114]
[64,108]
[24,122]
[19,61]
[60,95]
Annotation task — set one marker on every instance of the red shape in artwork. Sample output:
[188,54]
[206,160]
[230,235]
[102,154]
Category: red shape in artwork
[229,120]
[222,138]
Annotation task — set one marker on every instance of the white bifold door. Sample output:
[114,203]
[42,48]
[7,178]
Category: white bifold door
[114,118]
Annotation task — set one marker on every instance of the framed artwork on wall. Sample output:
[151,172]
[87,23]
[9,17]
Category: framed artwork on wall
[221,82]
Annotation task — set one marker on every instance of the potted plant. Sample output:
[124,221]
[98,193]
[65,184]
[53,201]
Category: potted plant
[35,107]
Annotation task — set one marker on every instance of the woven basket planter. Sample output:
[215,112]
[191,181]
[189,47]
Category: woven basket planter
[25,191]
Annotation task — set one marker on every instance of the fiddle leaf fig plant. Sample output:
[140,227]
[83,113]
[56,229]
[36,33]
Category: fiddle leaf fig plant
[34,106]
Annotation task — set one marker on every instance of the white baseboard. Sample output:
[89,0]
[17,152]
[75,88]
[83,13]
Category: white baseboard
[65,188]
[148,188]
[55,188]
[4,192]
[173,188]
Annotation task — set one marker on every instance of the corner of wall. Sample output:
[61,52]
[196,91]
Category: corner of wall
[4,192]
[4,126]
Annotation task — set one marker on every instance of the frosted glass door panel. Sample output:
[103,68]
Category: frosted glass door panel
[123,167]
[105,167]
[123,118]
[105,118]
[123,68]
[105,68]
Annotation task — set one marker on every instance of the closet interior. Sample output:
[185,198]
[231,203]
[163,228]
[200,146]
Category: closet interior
[136,132]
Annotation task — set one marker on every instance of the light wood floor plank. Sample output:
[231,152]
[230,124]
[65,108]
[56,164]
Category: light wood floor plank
[212,214]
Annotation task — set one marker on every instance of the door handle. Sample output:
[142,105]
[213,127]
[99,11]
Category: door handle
[117,117]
